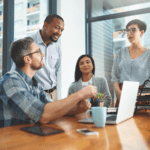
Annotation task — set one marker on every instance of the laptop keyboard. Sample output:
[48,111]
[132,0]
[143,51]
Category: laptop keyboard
[111,118]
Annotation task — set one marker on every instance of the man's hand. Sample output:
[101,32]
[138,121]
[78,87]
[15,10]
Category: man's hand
[88,92]
[84,105]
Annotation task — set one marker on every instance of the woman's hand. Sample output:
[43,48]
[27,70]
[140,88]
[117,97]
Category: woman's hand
[118,93]
[117,90]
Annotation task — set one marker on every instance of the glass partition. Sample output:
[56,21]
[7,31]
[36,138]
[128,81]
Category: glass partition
[107,36]
[29,17]
[105,7]
[120,38]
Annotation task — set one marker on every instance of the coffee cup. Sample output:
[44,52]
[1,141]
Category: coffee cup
[98,116]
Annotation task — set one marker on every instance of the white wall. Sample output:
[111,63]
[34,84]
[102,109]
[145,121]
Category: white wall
[72,41]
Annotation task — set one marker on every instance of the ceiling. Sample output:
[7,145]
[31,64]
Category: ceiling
[111,4]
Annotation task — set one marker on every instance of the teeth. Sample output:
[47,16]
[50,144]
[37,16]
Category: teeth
[56,36]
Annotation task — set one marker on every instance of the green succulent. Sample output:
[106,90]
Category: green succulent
[99,95]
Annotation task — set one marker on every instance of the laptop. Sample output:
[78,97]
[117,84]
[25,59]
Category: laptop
[126,106]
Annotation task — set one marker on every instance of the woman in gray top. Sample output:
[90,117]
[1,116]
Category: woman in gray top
[131,63]
[84,75]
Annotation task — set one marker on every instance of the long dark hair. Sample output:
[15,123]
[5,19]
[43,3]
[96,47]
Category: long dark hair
[78,73]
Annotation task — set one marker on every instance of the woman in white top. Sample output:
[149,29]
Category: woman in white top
[84,75]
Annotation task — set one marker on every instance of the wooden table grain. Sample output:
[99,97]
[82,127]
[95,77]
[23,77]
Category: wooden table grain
[133,134]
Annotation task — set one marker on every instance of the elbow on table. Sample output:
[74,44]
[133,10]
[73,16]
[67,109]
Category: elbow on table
[44,120]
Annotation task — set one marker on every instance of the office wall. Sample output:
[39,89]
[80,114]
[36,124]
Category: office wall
[72,41]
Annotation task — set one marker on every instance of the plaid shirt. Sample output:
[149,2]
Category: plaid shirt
[21,99]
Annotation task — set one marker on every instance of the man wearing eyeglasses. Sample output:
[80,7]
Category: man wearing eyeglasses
[23,100]
[46,39]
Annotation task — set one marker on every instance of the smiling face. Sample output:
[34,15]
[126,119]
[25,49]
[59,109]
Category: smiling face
[135,36]
[85,65]
[53,30]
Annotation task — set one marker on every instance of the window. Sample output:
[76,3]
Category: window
[34,22]
[1,2]
[21,31]
[28,22]
[18,7]
[116,6]
[28,5]
[30,18]
[35,4]
[105,20]
[18,24]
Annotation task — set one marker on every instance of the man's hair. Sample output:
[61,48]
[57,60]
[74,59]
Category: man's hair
[19,49]
[50,17]
[141,24]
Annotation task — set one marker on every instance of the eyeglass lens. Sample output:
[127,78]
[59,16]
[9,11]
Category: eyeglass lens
[132,30]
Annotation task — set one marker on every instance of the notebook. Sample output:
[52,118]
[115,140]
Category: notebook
[126,106]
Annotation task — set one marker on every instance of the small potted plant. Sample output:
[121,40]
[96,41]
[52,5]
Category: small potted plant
[100,98]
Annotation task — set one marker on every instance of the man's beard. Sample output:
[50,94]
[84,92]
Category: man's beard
[51,38]
[37,67]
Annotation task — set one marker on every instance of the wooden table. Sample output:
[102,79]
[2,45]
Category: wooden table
[133,134]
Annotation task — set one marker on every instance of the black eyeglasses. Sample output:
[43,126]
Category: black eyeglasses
[132,30]
[34,53]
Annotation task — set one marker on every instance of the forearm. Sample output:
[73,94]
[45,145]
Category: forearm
[73,111]
[116,87]
[57,109]
[76,110]
[118,93]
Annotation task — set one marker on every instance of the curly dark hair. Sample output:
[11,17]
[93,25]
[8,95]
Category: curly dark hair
[50,17]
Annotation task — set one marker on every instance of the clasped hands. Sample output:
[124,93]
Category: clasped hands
[88,92]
